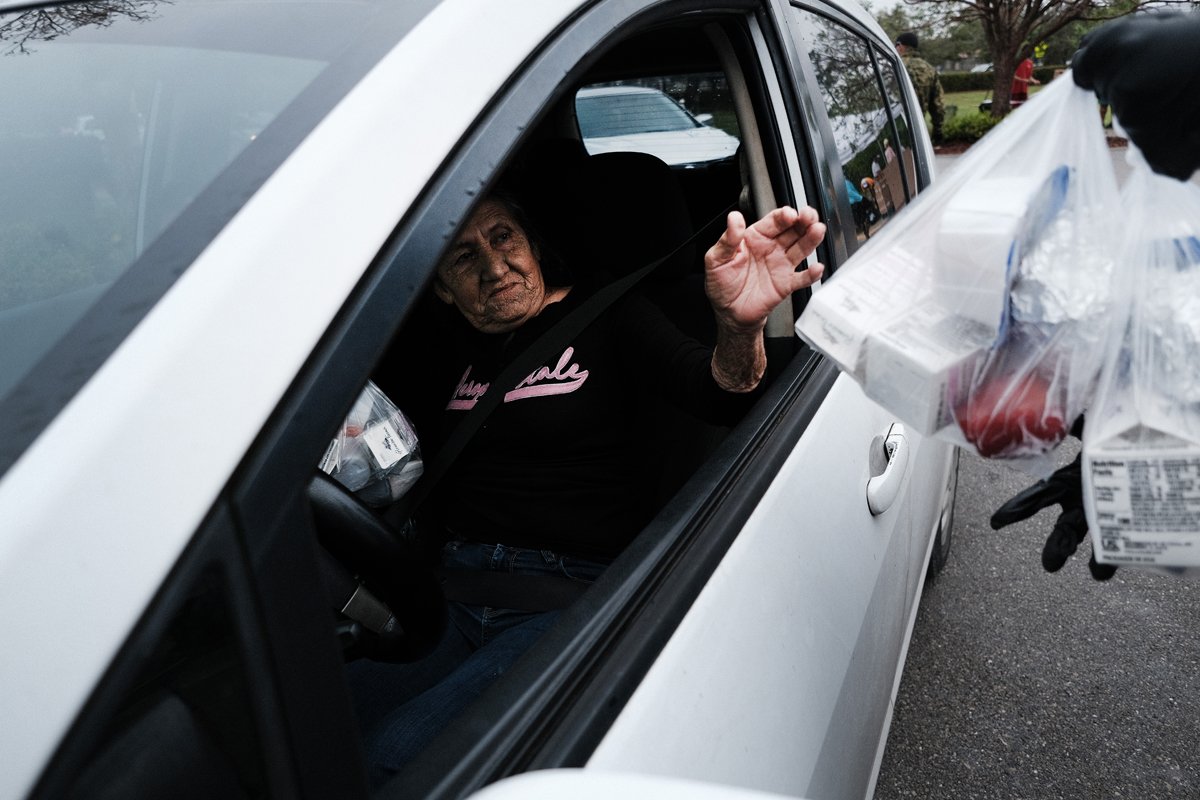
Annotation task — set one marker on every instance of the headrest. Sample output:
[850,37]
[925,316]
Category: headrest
[614,212]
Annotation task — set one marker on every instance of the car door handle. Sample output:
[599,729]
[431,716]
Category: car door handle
[883,489]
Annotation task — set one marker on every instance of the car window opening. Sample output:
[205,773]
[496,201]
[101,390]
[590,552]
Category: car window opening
[538,503]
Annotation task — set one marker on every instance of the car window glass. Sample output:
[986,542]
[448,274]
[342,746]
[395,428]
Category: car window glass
[129,134]
[102,144]
[902,118]
[866,143]
[683,119]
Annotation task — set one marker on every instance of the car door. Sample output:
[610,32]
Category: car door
[781,675]
[869,101]
[753,633]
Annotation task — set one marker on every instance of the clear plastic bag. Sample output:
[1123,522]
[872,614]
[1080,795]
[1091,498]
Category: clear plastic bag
[977,315]
[376,454]
[1141,443]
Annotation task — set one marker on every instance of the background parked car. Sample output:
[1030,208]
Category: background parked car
[635,118]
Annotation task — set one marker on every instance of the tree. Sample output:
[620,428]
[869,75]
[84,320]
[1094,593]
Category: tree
[893,20]
[1062,46]
[1011,29]
[954,42]
[20,28]
[942,42]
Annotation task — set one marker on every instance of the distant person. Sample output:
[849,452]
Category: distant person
[1021,80]
[925,80]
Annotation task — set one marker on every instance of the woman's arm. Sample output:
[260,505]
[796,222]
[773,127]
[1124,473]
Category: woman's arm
[748,272]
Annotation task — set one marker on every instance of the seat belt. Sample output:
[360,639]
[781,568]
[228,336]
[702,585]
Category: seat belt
[533,356]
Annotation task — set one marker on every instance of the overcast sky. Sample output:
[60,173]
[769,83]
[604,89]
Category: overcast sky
[880,5]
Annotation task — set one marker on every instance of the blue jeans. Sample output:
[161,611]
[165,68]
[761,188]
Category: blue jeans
[401,707]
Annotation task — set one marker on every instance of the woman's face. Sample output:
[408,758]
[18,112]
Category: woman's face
[492,274]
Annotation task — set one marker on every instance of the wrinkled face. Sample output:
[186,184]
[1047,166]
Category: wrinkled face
[492,274]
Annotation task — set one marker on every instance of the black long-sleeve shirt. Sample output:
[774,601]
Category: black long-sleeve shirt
[561,463]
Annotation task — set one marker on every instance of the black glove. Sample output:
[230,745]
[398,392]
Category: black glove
[1065,489]
[1146,68]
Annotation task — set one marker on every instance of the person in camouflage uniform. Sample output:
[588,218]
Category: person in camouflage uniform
[924,79]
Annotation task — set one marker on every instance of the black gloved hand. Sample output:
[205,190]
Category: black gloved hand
[1065,489]
[1146,68]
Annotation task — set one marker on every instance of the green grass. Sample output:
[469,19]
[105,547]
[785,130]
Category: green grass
[966,122]
[966,101]
[969,101]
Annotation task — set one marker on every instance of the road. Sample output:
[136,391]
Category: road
[1024,684]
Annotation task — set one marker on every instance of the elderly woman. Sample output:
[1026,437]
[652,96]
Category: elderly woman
[548,486]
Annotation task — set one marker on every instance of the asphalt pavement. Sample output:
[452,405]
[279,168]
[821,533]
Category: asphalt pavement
[1025,684]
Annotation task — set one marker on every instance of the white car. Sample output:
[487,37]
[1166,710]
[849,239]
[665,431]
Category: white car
[644,120]
[196,285]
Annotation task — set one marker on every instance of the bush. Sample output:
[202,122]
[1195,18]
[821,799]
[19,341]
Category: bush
[968,127]
[966,81]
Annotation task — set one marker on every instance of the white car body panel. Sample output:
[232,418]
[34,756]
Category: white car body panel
[588,784]
[193,384]
[831,634]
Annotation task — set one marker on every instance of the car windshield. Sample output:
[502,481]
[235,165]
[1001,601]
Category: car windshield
[624,113]
[116,121]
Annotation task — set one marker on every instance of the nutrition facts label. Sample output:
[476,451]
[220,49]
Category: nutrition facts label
[1147,509]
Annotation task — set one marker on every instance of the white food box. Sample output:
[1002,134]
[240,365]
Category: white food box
[975,237]
[868,291]
[917,366]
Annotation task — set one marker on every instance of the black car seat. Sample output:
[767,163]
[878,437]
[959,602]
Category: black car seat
[615,213]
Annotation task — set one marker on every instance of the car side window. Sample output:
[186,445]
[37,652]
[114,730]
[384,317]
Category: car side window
[902,117]
[658,166]
[870,149]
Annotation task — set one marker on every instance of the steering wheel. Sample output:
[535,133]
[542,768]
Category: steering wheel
[376,578]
